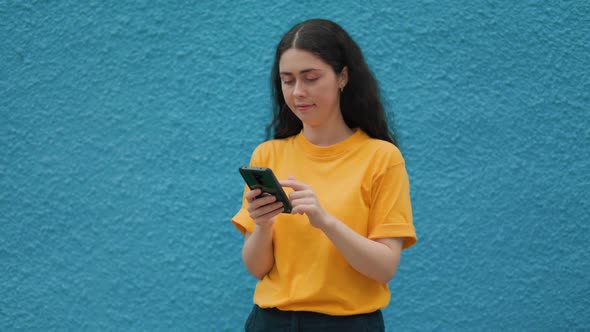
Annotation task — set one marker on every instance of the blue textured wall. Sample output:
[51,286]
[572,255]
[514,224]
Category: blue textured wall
[122,128]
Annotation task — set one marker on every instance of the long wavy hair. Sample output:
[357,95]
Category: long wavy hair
[360,102]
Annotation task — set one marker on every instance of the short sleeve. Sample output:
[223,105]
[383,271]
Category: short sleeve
[241,220]
[390,214]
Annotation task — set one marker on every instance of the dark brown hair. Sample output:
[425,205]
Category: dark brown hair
[360,102]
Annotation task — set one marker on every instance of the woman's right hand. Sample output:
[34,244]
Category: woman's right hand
[263,209]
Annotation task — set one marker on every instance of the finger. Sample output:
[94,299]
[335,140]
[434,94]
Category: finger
[291,177]
[252,194]
[264,210]
[301,209]
[300,194]
[268,218]
[274,213]
[303,201]
[262,201]
[293,184]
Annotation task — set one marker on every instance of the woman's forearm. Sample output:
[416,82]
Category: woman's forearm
[257,252]
[373,259]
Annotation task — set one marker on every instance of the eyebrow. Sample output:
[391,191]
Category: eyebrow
[301,72]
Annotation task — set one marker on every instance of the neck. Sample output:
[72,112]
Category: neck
[327,135]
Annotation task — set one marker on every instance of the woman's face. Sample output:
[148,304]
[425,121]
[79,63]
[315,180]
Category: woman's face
[310,87]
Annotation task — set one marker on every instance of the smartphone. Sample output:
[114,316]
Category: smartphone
[263,178]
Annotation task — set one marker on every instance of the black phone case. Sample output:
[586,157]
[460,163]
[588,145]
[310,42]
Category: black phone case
[264,178]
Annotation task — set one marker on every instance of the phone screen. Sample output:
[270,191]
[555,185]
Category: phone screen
[264,178]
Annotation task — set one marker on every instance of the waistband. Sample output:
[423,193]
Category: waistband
[313,315]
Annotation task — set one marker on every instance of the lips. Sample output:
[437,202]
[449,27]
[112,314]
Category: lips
[303,107]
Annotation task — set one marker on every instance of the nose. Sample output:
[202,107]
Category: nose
[298,89]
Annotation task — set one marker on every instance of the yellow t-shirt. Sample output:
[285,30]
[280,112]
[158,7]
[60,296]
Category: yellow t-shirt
[363,183]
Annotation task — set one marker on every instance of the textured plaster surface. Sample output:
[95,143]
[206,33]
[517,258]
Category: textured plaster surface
[122,127]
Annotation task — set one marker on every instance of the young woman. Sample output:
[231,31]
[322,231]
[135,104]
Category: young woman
[325,266]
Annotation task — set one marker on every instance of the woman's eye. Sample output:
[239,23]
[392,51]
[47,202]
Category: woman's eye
[287,82]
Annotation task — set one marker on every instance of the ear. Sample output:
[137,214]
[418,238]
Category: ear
[343,80]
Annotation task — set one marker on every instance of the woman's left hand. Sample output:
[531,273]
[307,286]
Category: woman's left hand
[304,201]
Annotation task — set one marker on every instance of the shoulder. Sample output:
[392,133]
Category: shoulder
[267,149]
[273,144]
[382,152]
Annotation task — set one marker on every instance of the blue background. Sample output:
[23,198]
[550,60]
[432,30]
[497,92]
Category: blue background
[123,126]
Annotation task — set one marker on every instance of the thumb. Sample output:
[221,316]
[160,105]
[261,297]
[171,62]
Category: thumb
[291,177]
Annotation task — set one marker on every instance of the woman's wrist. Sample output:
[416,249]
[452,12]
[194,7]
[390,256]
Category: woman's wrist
[263,228]
[328,222]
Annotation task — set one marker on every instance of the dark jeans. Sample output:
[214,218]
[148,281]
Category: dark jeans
[262,320]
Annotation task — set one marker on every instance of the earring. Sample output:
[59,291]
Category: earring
[341,89]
